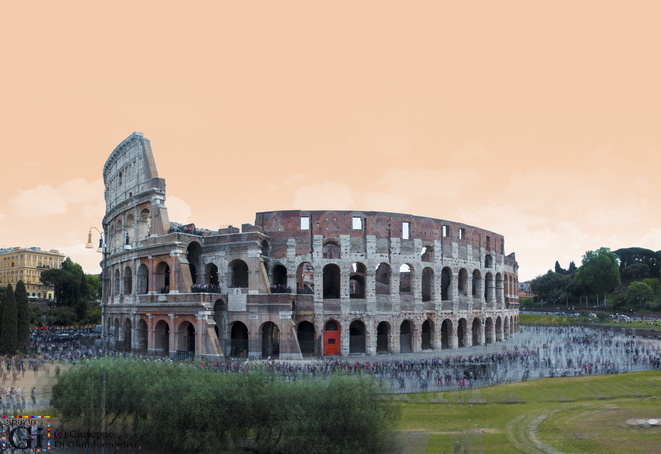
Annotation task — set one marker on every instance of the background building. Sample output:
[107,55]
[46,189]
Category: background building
[26,264]
[294,283]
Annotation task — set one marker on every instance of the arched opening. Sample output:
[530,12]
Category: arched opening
[463,282]
[162,338]
[427,254]
[477,278]
[194,251]
[383,337]
[266,248]
[331,338]
[130,227]
[239,340]
[331,251]
[305,279]
[488,261]
[427,284]
[143,279]
[144,224]
[116,283]
[357,280]
[162,276]
[405,278]
[127,335]
[331,281]
[462,330]
[488,288]
[279,275]
[220,317]
[306,338]
[405,337]
[446,280]
[270,340]
[383,272]
[446,332]
[239,271]
[489,331]
[141,336]
[476,331]
[186,337]
[128,281]
[499,288]
[499,329]
[506,328]
[428,335]
[357,337]
[212,274]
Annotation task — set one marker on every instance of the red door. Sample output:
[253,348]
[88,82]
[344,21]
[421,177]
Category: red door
[331,339]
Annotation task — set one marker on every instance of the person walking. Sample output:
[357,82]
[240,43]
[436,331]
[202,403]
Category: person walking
[33,395]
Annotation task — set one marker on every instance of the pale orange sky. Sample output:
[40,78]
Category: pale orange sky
[538,122]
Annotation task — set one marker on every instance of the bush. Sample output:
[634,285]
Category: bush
[193,410]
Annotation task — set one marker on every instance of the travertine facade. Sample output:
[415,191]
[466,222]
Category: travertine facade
[296,283]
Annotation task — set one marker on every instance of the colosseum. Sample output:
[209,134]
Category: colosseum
[295,283]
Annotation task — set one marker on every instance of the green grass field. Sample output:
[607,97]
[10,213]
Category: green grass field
[557,320]
[589,414]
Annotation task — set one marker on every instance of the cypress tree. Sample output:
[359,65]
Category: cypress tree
[23,327]
[9,331]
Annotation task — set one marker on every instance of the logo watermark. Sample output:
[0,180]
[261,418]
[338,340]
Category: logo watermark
[25,433]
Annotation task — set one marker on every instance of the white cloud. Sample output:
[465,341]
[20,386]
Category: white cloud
[46,200]
[651,240]
[323,196]
[178,210]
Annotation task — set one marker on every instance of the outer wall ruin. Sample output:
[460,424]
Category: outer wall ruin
[296,283]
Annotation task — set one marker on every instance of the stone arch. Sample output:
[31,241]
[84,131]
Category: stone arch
[130,227]
[117,238]
[357,337]
[476,330]
[446,281]
[427,254]
[331,250]
[406,337]
[280,275]
[489,333]
[506,328]
[239,273]
[305,279]
[239,340]
[162,276]
[211,275]
[463,281]
[141,336]
[144,224]
[126,334]
[383,273]
[266,248]
[331,281]
[116,283]
[427,335]
[477,280]
[488,288]
[427,283]
[306,338]
[357,280]
[143,279]
[332,338]
[270,340]
[162,337]
[499,288]
[405,275]
[499,329]
[462,333]
[446,333]
[383,337]
[128,281]
[186,341]
[488,261]
[193,254]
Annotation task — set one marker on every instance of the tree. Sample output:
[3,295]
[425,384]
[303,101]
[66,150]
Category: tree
[639,293]
[84,288]
[9,326]
[95,285]
[23,312]
[599,272]
[67,287]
